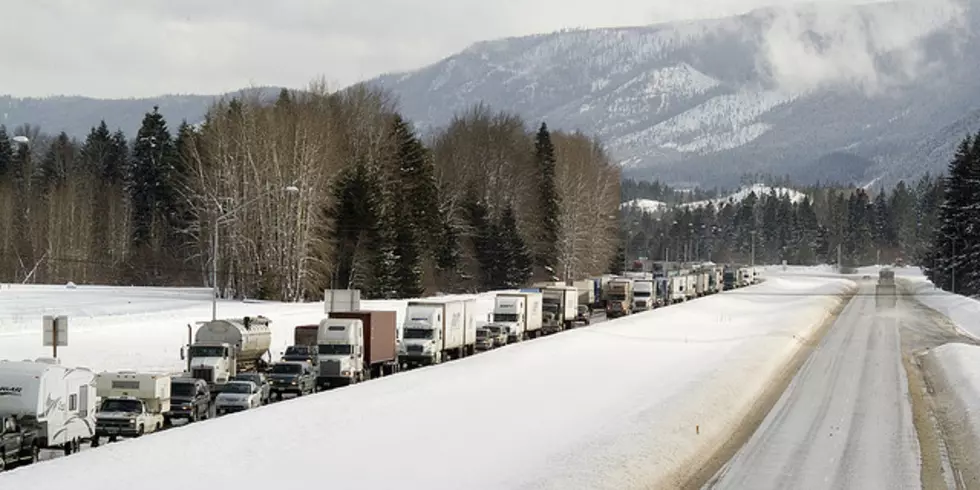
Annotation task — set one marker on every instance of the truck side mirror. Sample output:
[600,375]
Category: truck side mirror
[182,355]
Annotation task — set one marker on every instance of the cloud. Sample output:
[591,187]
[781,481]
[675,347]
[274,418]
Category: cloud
[873,50]
[120,48]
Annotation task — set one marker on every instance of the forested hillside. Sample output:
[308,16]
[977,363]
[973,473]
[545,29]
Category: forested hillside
[311,191]
[880,226]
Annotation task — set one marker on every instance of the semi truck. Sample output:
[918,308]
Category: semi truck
[132,404]
[886,293]
[437,329]
[619,301]
[644,294]
[224,348]
[559,305]
[353,346]
[56,402]
[729,279]
[519,313]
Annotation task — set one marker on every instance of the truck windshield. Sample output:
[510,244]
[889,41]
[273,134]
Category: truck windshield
[298,350]
[182,389]
[131,406]
[207,351]
[641,294]
[335,349]
[286,368]
[417,333]
[505,317]
[617,297]
[481,334]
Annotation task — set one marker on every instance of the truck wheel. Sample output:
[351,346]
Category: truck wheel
[194,416]
[3,463]
[139,432]
[95,441]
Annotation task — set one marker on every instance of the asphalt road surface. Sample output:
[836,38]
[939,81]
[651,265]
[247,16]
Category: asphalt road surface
[846,419]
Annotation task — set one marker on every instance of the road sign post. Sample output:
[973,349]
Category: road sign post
[55,332]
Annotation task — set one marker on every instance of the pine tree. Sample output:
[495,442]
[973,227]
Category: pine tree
[516,264]
[416,182]
[58,163]
[483,239]
[618,261]
[153,179]
[6,153]
[955,260]
[550,201]
[407,273]
[363,256]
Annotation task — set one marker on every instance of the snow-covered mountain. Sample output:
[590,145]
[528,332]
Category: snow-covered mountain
[819,92]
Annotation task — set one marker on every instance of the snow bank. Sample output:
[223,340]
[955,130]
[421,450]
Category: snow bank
[614,405]
[957,368]
[143,328]
[962,311]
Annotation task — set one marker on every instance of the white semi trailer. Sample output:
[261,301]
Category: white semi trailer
[437,329]
[519,313]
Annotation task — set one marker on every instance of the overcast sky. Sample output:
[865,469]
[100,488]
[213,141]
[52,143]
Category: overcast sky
[132,48]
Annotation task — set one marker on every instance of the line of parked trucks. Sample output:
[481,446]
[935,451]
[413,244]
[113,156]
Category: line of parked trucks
[229,365]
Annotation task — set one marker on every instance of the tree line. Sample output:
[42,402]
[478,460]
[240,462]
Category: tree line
[853,225]
[312,190]
[953,260]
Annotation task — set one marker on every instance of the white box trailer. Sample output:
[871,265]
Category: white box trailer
[677,286]
[560,305]
[520,312]
[586,292]
[435,329]
[57,401]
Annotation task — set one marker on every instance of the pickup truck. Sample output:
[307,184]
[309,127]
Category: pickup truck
[17,444]
[297,378]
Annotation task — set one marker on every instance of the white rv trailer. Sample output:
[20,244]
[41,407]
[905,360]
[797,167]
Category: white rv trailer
[58,401]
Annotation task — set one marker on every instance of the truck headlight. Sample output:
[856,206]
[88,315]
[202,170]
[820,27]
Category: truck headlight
[132,421]
[345,373]
[293,383]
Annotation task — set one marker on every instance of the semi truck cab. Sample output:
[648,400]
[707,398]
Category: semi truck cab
[422,336]
[215,363]
[340,350]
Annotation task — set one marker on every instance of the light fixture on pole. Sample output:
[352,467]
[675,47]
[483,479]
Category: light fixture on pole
[218,219]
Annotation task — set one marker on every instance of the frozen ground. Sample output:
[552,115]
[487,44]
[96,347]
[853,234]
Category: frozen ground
[138,328]
[623,404]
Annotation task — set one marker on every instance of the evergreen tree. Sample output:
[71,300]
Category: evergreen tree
[407,273]
[550,201]
[618,262]
[58,163]
[415,178]
[954,264]
[515,262]
[483,238]
[6,153]
[363,254]
[153,179]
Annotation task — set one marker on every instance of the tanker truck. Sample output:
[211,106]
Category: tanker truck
[224,348]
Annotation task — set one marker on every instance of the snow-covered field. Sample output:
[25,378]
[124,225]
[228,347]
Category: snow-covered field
[140,328]
[621,404]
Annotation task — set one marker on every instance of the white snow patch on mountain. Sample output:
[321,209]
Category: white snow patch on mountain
[760,190]
[645,205]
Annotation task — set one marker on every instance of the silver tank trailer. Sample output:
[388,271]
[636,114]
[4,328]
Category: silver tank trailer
[250,337]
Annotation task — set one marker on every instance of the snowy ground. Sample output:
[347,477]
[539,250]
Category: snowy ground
[623,404]
[957,379]
[138,328]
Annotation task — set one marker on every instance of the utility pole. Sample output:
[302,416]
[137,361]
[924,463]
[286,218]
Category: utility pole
[953,264]
[753,248]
